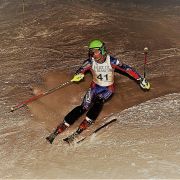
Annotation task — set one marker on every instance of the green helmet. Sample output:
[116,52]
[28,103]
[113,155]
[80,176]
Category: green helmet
[97,44]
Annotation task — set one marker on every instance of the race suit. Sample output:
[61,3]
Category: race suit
[102,86]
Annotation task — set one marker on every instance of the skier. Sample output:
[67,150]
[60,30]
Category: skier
[102,66]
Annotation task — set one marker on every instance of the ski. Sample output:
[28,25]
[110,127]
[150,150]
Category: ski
[72,137]
[99,128]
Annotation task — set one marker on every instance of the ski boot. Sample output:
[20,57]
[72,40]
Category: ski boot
[84,125]
[58,130]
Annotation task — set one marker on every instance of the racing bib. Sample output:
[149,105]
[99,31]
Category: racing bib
[103,73]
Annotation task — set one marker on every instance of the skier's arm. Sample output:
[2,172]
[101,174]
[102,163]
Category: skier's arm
[86,66]
[125,69]
[131,72]
[79,75]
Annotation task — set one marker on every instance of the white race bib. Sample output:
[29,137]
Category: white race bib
[103,73]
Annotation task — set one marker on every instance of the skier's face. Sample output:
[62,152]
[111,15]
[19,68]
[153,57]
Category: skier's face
[96,54]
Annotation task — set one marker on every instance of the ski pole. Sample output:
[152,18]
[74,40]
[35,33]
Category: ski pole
[145,60]
[24,103]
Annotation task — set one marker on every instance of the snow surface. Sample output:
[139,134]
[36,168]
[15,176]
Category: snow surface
[144,141]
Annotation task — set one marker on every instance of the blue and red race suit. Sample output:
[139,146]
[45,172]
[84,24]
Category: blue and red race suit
[102,85]
[101,89]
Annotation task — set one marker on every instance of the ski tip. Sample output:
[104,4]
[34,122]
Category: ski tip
[113,120]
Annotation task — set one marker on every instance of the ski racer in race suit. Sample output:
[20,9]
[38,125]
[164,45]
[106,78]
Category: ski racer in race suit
[102,67]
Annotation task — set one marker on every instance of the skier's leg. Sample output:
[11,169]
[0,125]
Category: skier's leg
[69,119]
[91,115]
[72,116]
[95,109]
[103,94]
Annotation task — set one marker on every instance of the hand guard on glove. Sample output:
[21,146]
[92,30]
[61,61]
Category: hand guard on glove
[144,84]
[77,77]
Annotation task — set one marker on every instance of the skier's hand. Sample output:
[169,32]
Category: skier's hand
[77,77]
[144,84]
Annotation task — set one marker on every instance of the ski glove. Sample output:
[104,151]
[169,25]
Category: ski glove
[144,84]
[77,77]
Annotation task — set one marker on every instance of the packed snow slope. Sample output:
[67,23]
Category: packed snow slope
[42,44]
